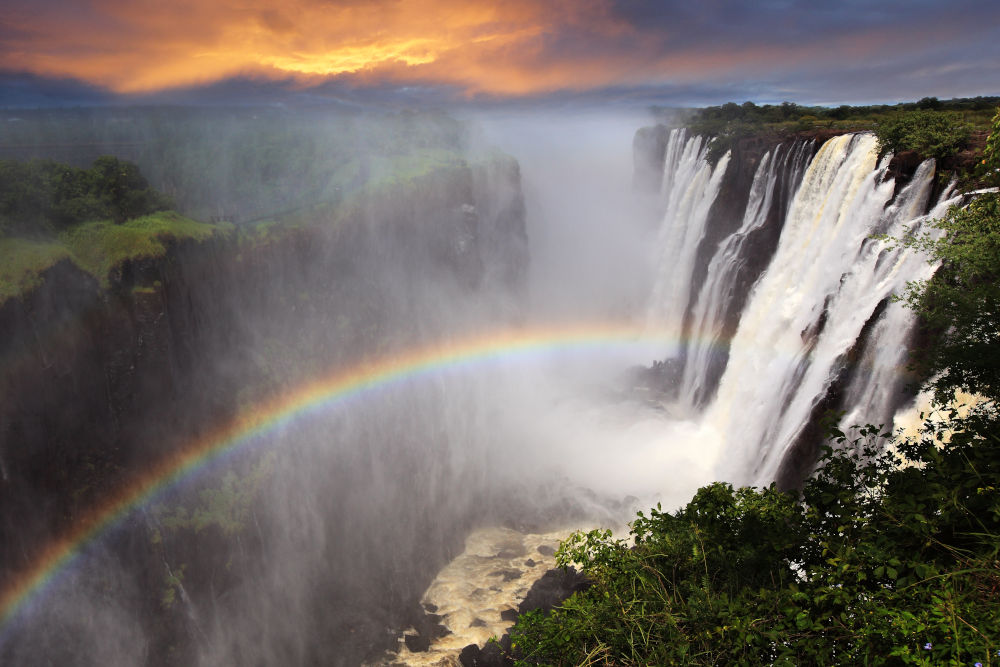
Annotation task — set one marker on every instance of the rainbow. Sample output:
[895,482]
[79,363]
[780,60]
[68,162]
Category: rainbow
[324,393]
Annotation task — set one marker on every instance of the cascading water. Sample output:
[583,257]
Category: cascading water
[808,310]
[706,340]
[690,188]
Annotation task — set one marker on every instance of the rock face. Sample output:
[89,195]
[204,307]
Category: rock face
[96,383]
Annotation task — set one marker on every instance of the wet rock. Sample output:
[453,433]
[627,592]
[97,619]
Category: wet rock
[509,615]
[552,588]
[546,550]
[494,654]
[469,657]
[508,575]
[417,643]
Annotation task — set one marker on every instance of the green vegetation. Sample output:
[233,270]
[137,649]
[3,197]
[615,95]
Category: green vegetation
[40,197]
[873,564]
[214,531]
[929,133]
[925,126]
[23,263]
[890,554]
[100,247]
[96,218]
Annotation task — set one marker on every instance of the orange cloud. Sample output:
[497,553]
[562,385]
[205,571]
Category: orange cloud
[515,47]
[133,46]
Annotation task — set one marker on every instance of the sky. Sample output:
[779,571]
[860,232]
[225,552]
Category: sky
[509,52]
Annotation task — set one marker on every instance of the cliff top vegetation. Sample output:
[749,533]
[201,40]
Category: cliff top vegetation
[931,127]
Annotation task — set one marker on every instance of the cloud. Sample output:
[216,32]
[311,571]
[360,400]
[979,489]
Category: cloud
[487,50]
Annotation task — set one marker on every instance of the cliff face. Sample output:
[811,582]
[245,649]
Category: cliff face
[97,383]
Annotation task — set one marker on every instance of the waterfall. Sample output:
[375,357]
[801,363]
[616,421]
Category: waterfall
[707,344]
[818,324]
[690,186]
[824,283]
[874,393]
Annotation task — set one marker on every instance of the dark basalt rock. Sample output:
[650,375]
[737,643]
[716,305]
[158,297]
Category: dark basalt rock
[494,654]
[552,588]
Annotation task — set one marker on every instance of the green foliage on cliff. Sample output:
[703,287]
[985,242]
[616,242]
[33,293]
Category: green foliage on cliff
[40,197]
[23,263]
[961,303]
[98,248]
[929,133]
[932,127]
[101,247]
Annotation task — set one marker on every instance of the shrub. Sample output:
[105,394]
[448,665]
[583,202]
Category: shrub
[929,133]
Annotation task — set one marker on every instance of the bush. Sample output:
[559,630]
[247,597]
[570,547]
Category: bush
[929,133]
[873,564]
[41,197]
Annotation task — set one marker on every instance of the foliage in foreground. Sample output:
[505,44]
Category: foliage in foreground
[874,564]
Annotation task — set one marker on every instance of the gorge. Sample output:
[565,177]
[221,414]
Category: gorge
[260,446]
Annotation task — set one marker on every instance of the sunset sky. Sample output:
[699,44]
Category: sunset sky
[482,53]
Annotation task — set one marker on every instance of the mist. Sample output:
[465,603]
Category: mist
[316,540]
[424,342]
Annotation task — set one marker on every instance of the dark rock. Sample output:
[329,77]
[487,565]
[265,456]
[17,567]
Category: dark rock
[430,607]
[508,575]
[552,588]
[509,615]
[496,654]
[546,550]
[477,623]
[417,643]
[530,563]
[469,657]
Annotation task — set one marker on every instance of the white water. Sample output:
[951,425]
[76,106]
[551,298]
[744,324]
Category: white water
[824,283]
[690,186]
[716,294]
[873,391]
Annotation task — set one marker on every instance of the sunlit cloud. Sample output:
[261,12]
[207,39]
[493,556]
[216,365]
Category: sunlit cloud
[479,48]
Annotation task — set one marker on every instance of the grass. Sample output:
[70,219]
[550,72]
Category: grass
[96,247]
[100,247]
[404,167]
[23,263]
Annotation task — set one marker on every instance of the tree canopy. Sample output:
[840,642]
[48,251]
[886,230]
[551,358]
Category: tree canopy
[41,197]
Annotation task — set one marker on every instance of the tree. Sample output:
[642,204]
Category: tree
[124,189]
[929,133]
[961,303]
